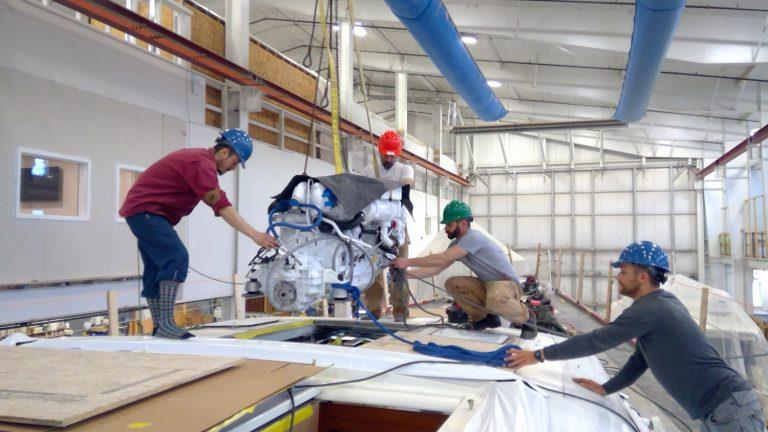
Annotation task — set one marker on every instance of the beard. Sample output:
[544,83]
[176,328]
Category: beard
[387,165]
[453,234]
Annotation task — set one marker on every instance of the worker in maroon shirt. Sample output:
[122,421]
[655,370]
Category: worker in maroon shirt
[169,190]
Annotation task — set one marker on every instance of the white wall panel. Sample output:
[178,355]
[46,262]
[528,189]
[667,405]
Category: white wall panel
[562,231]
[614,180]
[533,183]
[563,204]
[653,202]
[656,229]
[685,232]
[583,231]
[582,181]
[652,178]
[534,205]
[532,232]
[613,203]
[613,231]
[582,203]
[685,202]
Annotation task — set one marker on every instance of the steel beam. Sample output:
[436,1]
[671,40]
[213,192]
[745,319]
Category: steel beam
[758,137]
[537,126]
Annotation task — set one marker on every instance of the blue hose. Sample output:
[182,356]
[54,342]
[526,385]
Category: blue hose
[285,205]
[452,352]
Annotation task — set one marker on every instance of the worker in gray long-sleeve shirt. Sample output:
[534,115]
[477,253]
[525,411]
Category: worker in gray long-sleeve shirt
[669,343]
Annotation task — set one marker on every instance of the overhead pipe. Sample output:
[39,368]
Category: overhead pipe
[537,127]
[655,23]
[429,23]
[756,138]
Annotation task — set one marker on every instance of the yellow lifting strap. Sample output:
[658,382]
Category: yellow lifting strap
[334,91]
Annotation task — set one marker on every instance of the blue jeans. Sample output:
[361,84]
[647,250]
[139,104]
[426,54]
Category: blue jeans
[741,412]
[161,249]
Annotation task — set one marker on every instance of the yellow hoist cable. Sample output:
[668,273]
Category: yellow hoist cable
[334,92]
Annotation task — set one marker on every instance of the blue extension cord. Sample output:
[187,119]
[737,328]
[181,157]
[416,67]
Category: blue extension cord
[452,352]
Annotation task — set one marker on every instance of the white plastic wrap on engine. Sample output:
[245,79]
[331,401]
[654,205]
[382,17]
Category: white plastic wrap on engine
[382,210]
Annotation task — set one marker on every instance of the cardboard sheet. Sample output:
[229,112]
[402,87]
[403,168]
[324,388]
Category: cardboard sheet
[196,406]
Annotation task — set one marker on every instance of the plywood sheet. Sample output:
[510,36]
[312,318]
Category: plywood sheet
[195,406]
[60,387]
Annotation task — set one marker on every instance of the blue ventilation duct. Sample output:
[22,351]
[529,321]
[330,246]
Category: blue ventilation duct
[432,27]
[655,22]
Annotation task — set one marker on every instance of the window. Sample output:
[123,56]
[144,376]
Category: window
[759,289]
[52,186]
[126,177]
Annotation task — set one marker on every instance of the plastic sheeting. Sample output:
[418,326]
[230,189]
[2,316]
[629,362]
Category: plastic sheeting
[729,329]
[515,406]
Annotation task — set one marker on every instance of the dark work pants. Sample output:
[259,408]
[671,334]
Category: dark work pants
[161,249]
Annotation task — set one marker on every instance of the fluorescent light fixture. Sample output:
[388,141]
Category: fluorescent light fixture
[469,40]
[494,84]
[335,27]
[359,30]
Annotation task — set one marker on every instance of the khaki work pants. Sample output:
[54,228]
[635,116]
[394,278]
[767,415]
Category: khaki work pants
[373,297]
[501,297]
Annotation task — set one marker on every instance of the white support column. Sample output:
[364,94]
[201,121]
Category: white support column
[235,101]
[401,103]
[346,68]
[236,48]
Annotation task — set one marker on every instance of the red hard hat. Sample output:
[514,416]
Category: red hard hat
[390,143]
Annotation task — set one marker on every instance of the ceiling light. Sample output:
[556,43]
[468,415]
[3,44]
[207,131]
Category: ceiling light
[359,30]
[335,27]
[469,40]
[494,84]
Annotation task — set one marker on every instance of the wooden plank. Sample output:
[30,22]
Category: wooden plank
[703,309]
[559,269]
[609,297]
[114,322]
[189,407]
[58,387]
[581,279]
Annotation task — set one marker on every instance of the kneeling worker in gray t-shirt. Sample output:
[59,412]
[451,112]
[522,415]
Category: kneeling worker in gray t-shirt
[496,287]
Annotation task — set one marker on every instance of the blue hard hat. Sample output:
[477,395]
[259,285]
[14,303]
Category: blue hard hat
[239,141]
[644,253]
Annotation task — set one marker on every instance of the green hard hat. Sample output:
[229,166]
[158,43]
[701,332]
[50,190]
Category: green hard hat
[456,210]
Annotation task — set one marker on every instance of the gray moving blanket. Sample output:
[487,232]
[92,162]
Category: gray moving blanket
[353,193]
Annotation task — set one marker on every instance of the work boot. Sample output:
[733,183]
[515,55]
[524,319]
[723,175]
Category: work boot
[154,311]
[529,328]
[166,326]
[490,321]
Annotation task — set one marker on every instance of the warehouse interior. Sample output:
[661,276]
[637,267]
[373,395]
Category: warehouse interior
[574,145]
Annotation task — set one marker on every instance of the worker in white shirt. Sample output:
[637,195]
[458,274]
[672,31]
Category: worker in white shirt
[390,168]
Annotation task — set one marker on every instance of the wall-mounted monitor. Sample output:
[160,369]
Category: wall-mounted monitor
[39,186]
